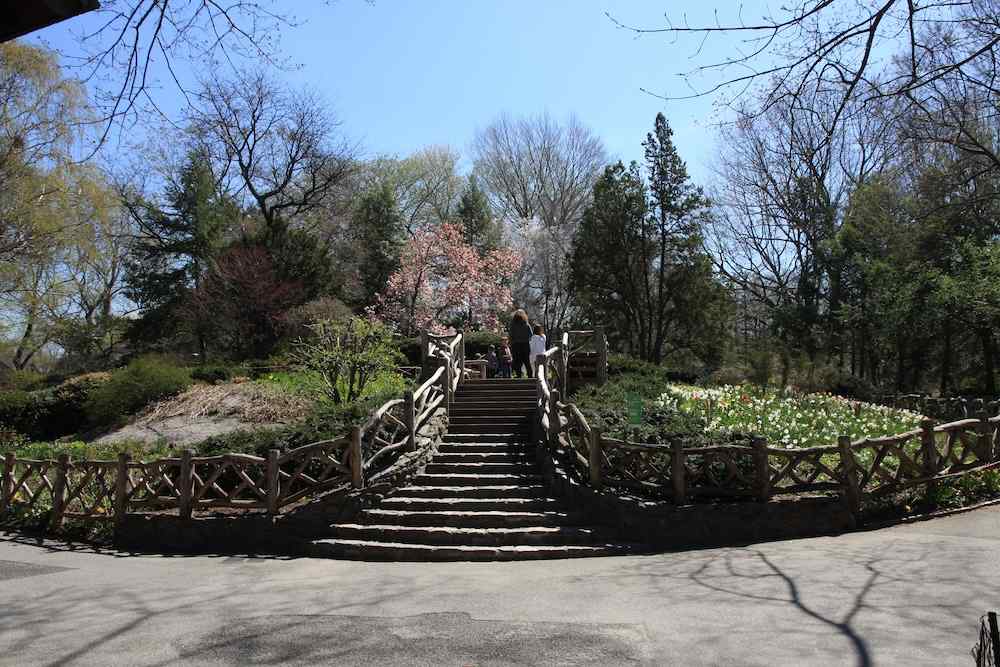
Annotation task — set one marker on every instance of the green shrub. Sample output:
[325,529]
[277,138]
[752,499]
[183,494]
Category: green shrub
[346,356]
[606,406]
[50,413]
[143,381]
[728,375]
[79,450]
[761,367]
[212,374]
[18,411]
[477,343]
[21,380]
[410,349]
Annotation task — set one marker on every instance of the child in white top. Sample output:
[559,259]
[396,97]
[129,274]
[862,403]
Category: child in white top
[537,345]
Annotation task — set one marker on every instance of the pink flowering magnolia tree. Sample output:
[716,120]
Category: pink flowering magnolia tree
[441,278]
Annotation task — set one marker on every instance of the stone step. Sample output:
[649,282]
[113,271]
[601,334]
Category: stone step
[468,518]
[494,410]
[489,401]
[528,491]
[499,382]
[496,437]
[435,479]
[522,428]
[398,551]
[449,535]
[503,423]
[525,456]
[416,503]
[470,468]
[512,448]
[528,393]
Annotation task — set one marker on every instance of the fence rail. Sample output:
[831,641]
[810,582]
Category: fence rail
[109,490]
[866,468]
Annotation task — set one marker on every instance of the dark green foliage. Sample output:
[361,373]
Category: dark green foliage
[410,349]
[378,227]
[605,406]
[49,413]
[299,258]
[24,379]
[180,239]
[637,264]
[17,411]
[479,228]
[143,381]
[478,342]
[212,374]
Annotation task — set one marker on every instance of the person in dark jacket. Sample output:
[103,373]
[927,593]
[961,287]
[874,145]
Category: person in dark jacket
[520,343]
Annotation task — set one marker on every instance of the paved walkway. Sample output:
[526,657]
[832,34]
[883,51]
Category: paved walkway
[909,595]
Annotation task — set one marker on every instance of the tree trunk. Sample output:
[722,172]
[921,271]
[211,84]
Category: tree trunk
[946,359]
[989,361]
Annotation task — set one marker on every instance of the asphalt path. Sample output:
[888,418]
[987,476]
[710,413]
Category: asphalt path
[906,595]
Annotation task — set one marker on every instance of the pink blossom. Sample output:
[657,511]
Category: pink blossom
[442,278]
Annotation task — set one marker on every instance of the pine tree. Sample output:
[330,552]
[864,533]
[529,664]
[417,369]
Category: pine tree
[479,229]
[177,245]
[378,227]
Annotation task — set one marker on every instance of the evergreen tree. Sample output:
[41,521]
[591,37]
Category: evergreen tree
[378,227]
[178,242]
[637,257]
[478,226]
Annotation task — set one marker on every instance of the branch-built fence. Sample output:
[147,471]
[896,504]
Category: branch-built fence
[946,408]
[186,484]
[867,468]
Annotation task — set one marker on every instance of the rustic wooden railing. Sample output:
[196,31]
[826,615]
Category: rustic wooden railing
[867,468]
[945,408]
[109,490]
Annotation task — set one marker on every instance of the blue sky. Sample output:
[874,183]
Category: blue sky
[404,75]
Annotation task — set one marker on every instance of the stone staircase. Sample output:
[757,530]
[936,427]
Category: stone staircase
[480,498]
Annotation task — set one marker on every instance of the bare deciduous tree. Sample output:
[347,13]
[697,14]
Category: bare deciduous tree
[274,148]
[812,46]
[136,43]
[536,167]
[539,176]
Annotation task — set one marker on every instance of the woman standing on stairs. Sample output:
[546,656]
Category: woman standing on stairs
[520,345]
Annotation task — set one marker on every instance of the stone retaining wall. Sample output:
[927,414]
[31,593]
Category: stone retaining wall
[663,525]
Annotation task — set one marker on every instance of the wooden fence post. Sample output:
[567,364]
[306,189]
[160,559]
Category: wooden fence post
[984,437]
[425,344]
[677,471]
[357,478]
[762,469]
[994,629]
[59,492]
[594,458]
[558,363]
[554,422]
[7,490]
[602,355]
[410,420]
[273,481]
[121,489]
[852,492]
[446,380]
[185,504]
[928,447]
[539,363]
